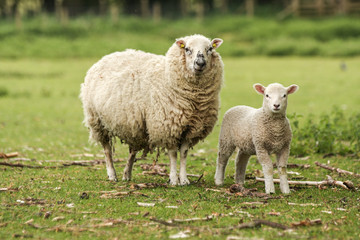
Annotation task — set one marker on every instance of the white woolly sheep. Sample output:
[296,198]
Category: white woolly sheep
[260,131]
[153,101]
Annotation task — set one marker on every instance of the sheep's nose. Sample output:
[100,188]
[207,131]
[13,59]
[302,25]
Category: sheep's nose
[276,105]
[200,62]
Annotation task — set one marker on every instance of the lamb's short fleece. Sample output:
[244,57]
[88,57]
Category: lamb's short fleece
[260,131]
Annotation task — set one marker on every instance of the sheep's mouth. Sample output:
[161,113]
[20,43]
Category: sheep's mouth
[198,71]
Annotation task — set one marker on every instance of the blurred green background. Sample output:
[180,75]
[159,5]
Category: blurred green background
[46,47]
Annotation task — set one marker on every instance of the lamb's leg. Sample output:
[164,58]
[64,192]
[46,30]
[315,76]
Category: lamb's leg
[282,159]
[221,162]
[240,166]
[174,180]
[267,167]
[183,155]
[129,165]
[109,161]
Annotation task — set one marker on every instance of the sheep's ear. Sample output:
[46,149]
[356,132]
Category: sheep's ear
[180,43]
[293,88]
[216,42]
[259,88]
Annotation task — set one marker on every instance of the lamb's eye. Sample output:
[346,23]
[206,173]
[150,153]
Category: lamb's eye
[267,95]
[188,51]
[284,96]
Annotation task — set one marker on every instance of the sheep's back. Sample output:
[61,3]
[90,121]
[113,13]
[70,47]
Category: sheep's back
[117,89]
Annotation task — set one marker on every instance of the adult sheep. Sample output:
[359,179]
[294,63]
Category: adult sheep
[153,101]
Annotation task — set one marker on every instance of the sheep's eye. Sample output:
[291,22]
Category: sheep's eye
[284,96]
[188,51]
[267,95]
[210,50]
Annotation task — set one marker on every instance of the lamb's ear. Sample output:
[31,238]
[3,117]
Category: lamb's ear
[293,88]
[180,43]
[259,88]
[216,42]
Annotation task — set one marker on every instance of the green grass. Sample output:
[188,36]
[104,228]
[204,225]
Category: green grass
[41,118]
[90,36]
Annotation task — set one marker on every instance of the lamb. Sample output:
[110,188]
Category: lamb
[260,131]
[154,102]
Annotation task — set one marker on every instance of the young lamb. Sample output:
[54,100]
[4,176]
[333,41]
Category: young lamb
[152,101]
[260,131]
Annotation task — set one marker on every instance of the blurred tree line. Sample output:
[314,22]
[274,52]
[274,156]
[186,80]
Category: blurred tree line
[156,9]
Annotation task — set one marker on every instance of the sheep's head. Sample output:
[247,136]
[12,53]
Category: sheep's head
[275,96]
[198,51]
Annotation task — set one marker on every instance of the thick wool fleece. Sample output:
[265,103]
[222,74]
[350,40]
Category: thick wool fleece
[149,100]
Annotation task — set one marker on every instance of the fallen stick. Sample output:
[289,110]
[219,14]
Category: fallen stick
[271,224]
[329,182]
[295,165]
[338,170]
[20,159]
[207,218]
[306,222]
[23,165]
[9,155]
[166,223]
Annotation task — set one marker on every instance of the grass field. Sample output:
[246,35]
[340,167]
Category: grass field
[41,118]
[90,36]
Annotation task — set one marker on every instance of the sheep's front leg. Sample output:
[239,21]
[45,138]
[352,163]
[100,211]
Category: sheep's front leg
[109,161]
[174,180]
[129,166]
[183,155]
[240,166]
[282,158]
[267,167]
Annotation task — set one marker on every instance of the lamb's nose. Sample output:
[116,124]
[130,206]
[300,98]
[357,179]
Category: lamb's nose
[276,105]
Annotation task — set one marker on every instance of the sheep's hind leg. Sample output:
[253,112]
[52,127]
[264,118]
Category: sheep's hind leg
[240,166]
[129,165]
[109,161]
[221,162]
[174,180]
[183,155]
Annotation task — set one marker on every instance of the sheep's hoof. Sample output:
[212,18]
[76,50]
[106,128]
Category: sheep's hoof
[184,182]
[174,181]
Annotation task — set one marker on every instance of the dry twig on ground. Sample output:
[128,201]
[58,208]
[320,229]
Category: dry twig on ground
[330,182]
[9,155]
[338,170]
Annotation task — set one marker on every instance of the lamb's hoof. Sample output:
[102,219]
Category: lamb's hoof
[184,182]
[218,182]
[113,179]
[270,192]
[126,178]
[286,191]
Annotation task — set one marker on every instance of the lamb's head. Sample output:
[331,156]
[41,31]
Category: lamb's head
[198,51]
[275,96]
